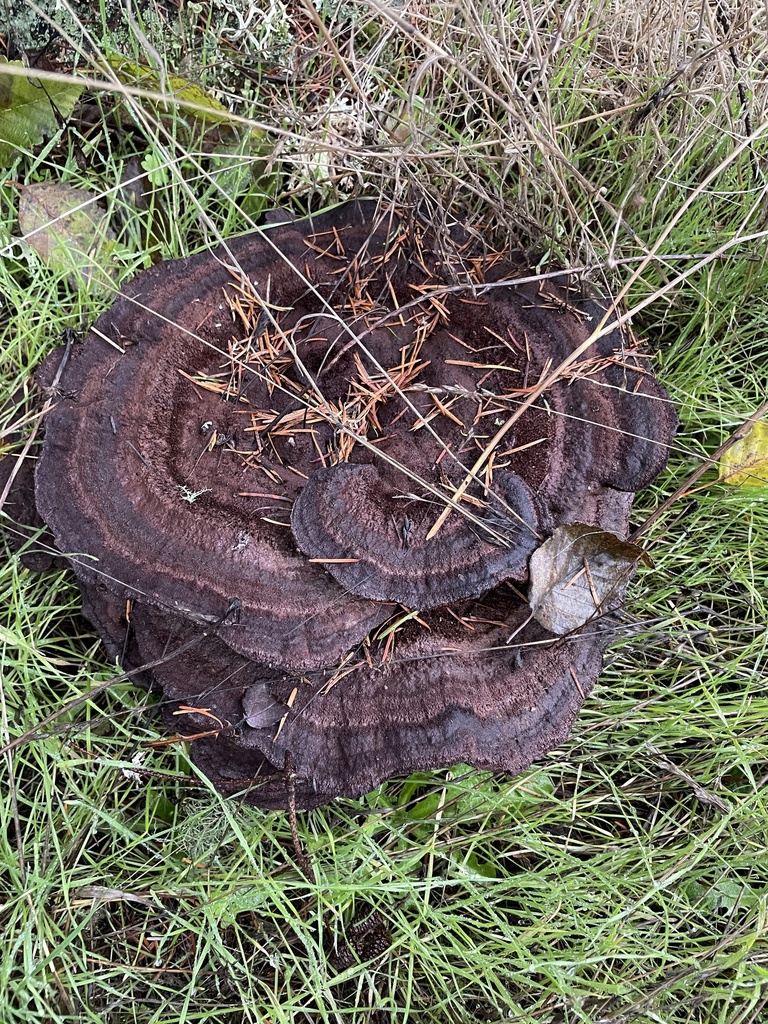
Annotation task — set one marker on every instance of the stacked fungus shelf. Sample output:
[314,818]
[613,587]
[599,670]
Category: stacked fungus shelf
[244,463]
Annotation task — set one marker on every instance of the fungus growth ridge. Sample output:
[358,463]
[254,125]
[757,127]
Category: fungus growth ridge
[244,460]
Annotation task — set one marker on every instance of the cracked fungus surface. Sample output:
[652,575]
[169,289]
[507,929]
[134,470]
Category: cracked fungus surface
[244,465]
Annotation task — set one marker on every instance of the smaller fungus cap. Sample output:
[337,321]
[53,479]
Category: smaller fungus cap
[375,542]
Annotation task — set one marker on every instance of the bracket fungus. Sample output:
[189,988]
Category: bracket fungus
[251,450]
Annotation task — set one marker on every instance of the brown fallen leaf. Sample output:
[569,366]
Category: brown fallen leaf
[579,574]
[104,894]
[68,231]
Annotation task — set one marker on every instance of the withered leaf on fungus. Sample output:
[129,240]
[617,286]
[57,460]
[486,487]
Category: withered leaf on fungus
[578,575]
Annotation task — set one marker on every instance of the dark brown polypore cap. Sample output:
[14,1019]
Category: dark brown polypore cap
[153,477]
[253,444]
[351,513]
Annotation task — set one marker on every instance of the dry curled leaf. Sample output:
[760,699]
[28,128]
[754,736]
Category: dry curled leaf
[579,574]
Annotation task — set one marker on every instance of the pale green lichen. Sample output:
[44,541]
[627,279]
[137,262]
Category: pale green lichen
[190,496]
[31,31]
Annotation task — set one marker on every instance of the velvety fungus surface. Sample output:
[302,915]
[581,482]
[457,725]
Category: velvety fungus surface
[243,461]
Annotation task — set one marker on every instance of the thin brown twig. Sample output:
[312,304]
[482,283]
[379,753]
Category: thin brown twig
[302,860]
[323,30]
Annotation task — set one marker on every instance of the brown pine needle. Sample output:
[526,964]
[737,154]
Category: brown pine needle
[335,561]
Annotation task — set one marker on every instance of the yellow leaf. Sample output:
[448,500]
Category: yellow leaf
[746,463]
[186,93]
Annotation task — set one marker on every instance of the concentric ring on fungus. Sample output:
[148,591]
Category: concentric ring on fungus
[252,446]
